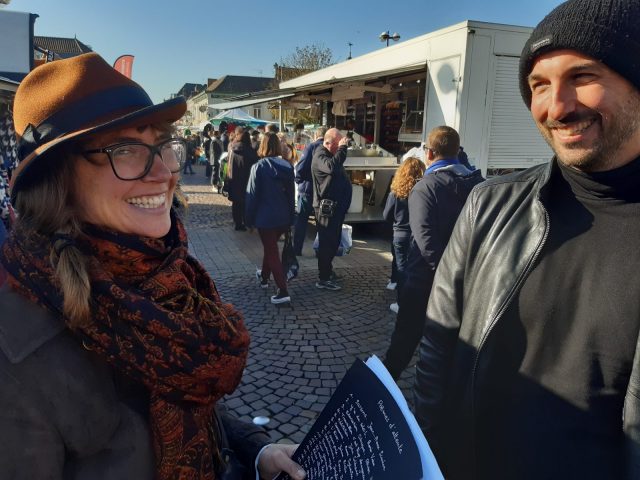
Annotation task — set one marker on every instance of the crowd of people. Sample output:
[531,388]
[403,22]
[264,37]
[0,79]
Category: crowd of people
[521,291]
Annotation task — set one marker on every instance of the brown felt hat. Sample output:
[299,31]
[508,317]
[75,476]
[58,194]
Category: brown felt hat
[68,99]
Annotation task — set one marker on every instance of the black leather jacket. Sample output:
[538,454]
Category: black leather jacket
[499,234]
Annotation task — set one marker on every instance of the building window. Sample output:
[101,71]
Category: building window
[257,112]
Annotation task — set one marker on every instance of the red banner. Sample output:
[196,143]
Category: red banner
[124,64]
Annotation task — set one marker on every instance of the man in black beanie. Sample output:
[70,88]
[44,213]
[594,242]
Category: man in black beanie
[530,362]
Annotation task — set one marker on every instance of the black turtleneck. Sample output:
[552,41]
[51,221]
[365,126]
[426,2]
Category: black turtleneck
[552,404]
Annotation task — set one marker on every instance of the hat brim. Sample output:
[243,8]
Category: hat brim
[29,168]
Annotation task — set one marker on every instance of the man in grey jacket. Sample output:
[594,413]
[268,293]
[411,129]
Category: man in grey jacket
[530,362]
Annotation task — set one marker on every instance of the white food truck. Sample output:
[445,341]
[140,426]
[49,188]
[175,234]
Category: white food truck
[464,76]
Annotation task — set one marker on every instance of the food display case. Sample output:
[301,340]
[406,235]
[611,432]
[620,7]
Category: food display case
[371,169]
[411,129]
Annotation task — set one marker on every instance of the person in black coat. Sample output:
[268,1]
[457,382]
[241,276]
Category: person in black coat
[434,205]
[305,190]
[241,159]
[331,199]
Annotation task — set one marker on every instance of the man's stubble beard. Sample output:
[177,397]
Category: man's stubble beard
[622,127]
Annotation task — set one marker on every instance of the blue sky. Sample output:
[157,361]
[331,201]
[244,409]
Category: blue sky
[175,42]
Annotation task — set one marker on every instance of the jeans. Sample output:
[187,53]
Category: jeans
[187,164]
[401,246]
[305,208]
[271,262]
[328,243]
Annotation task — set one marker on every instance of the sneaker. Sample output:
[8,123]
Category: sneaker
[328,285]
[391,285]
[263,283]
[280,297]
[394,307]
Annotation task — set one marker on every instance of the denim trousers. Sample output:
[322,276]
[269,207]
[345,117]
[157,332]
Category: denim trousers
[305,208]
[401,246]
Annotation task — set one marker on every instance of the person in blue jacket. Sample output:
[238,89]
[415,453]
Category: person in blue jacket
[305,190]
[270,208]
[396,210]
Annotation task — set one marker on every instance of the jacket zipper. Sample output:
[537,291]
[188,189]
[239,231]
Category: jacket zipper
[497,317]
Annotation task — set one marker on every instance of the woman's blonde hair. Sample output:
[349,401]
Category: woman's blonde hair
[48,206]
[407,175]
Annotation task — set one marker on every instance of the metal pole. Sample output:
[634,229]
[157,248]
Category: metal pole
[280,115]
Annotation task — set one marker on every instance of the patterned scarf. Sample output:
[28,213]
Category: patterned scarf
[156,317]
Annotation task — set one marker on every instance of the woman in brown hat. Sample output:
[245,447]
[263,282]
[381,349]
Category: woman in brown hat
[114,343]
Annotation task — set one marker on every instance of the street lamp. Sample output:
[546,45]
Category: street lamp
[385,36]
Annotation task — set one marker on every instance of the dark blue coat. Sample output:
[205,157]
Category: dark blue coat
[303,169]
[396,210]
[270,194]
[434,205]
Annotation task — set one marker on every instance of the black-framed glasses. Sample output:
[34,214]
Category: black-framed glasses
[133,160]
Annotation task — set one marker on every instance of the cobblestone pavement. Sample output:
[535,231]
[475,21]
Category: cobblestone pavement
[299,353]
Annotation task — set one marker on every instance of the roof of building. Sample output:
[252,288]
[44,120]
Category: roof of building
[63,47]
[188,89]
[238,84]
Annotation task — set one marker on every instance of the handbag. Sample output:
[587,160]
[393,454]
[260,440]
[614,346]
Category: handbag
[290,263]
[325,212]
[230,467]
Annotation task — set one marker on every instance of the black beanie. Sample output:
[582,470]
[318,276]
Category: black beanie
[606,30]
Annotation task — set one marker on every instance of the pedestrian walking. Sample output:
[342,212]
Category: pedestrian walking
[241,159]
[270,208]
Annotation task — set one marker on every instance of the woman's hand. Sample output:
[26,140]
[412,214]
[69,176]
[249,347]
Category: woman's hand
[276,458]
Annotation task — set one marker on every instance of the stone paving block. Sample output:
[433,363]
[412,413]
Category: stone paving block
[276,407]
[287,429]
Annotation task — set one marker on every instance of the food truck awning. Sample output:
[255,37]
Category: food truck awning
[8,85]
[254,100]
[406,56]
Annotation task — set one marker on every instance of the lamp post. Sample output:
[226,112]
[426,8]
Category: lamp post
[385,36]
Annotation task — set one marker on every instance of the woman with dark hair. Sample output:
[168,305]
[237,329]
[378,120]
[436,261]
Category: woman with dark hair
[241,159]
[271,208]
[114,343]
[396,210]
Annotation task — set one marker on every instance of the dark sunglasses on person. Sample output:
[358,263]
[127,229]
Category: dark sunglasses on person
[133,160]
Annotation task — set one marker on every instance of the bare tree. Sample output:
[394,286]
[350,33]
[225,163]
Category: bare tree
[306,59]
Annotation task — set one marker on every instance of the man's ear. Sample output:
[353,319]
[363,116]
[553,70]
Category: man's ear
[430,154]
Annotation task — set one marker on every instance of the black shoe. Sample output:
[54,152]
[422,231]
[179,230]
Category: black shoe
[263,283]
[280,297]
[328,285]
[241,228]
